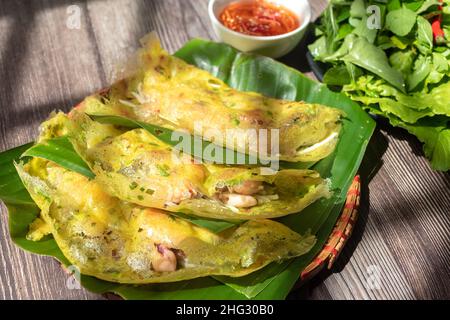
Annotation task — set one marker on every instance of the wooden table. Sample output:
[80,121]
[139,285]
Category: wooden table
[400,248]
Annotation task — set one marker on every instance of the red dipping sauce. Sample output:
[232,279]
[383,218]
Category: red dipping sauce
[259,18]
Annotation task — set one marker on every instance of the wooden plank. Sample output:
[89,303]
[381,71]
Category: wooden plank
[404,229]
[44,66]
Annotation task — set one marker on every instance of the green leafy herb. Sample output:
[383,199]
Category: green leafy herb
[133,185]
[401,21]
[399,71]
[163,170]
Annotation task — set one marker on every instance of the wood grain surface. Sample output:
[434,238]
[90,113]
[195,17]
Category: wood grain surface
[400,248]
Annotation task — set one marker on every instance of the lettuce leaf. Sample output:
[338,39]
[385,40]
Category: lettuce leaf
[403,74]
[433,132]
[436,141]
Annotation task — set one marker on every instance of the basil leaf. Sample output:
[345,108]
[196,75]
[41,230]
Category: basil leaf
[424,40]
[401,21]
[369,57]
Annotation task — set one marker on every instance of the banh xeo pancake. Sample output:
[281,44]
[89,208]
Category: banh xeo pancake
[137,167]
[120,242]
[166,91]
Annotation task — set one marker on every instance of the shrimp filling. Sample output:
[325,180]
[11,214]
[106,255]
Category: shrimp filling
[166,260]
[245,195]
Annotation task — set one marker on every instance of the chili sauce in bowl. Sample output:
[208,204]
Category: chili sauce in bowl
[259,18]
[268,27]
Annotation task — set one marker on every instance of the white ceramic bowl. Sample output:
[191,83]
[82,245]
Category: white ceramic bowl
[273,46]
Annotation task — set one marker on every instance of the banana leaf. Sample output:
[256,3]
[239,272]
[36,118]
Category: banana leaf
[247,73]
[165,135]
[60,150]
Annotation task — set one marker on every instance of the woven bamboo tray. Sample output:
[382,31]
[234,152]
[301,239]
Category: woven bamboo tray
[339,237]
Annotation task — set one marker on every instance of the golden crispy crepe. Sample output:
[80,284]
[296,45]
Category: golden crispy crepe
[113,227]
[164,90]
[121,242]
[137,167]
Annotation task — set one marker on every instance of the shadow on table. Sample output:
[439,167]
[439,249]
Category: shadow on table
[23,18]
[297,58]
[402,135]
